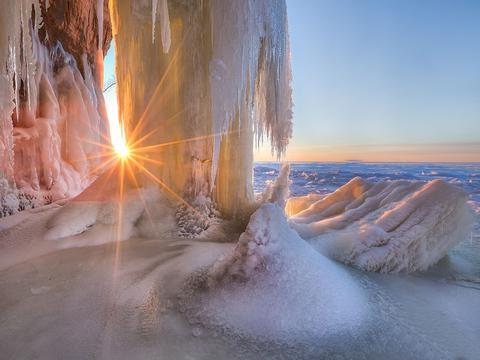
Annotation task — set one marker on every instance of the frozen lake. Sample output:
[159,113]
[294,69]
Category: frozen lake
[149,297]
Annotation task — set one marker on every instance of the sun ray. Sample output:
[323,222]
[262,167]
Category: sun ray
[119,234]
[92,142]
[181,141]
[150,133]
[101,156]
[140,124]
[137,185]
[166,187]
[104,164]
[153,161]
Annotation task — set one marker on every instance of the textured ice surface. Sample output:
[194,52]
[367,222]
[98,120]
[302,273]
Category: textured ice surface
[393,226]
[150,297]
[274,296]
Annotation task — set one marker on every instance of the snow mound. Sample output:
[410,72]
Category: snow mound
[257,246]
[144,212]
[391,226]
[266,276]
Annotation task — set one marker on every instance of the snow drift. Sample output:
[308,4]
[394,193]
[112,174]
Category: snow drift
[391,226]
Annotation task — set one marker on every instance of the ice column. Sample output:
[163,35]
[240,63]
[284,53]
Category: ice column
[225,81]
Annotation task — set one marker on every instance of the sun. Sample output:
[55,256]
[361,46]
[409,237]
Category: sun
[119,142]
[122,151]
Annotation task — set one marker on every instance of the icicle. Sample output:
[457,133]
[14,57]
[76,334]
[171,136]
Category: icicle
[154,18]
[165,25]
[99,67]
[250,81]
[100,23]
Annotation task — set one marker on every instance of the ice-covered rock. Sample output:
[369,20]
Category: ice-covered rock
[52,130]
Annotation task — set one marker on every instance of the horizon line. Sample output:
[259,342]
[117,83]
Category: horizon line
[365,162]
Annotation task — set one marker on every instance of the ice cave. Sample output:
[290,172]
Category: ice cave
[137,233]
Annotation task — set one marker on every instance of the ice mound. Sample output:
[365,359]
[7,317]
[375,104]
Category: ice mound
[267,275]
[92,218]
[257,246]
[391,226]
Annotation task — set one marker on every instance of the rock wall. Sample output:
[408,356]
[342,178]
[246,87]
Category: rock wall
[74,24]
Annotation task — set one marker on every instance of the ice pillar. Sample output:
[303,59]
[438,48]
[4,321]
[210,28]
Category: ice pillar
[200,96]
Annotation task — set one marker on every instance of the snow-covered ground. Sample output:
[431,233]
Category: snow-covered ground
[74,292]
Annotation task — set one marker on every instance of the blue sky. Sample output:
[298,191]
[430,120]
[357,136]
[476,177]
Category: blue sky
[375,73]
[383,80]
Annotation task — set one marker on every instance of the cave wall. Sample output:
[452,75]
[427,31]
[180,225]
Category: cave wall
[52,113]
[74,24]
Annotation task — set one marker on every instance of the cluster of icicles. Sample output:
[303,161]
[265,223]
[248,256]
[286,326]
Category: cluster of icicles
[255,70]
[49,114]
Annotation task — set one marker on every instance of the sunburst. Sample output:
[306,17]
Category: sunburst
[125,156]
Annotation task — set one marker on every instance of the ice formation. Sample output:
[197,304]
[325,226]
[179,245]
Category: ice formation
[49,114]
[224,84]
[390,226]
[267,274]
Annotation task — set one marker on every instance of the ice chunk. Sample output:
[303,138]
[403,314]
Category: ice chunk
[279,191]
[392,226]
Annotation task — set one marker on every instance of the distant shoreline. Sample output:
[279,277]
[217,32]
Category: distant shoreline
[368,162]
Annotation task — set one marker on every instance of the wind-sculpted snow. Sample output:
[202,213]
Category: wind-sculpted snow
[391,226]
